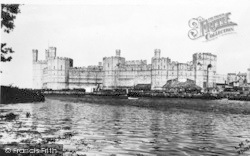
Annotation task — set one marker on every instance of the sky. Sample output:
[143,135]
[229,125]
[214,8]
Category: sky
[87,31]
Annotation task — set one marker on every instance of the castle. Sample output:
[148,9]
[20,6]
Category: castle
[116,72]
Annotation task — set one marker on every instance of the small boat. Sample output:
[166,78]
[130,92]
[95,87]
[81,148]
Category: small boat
[132,98]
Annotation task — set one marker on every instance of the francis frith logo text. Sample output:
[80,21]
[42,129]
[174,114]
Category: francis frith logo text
[212,27]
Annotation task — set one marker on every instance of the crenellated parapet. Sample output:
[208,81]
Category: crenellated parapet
[41,62]
[136,62]
[64,58]
[204,61]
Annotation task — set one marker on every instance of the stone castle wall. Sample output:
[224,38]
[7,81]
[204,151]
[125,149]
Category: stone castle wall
[159,72]
[90,77]
[116,72]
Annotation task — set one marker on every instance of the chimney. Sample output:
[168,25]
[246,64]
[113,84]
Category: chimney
[99,63]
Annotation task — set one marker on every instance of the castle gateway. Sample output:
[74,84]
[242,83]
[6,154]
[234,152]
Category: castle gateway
[116,72]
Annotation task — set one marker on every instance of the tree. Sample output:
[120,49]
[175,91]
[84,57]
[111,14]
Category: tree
[9,12]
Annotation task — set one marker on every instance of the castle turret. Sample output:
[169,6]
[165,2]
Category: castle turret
[50,53]
[35,55]
[205,69]
[111,67]
[118,52]
[157,53]
[37,70]
[159,70]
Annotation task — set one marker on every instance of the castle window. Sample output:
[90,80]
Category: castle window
[108,64]
[158,66]
[61,67]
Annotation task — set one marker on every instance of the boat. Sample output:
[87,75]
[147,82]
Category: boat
[132,98]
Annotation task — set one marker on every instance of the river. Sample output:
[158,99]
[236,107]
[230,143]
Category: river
[99,129]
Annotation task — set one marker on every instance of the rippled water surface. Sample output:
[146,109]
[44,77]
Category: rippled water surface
[98,129]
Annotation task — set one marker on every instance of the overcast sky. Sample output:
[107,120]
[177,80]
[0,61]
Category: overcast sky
[86,32]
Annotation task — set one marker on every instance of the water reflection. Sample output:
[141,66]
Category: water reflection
[127,130]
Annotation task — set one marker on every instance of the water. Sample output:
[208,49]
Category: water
[98,129]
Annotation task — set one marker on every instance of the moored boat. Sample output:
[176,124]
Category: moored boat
[132,98]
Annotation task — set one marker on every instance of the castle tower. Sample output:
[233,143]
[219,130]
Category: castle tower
[35,55]
[111,67]
[205,69]
[157,53]
[118,52]
[37,70]
[50,53]
[58,73]
[159,70]
[46,54]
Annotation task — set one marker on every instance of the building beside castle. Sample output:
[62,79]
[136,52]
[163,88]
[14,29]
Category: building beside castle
[117,72]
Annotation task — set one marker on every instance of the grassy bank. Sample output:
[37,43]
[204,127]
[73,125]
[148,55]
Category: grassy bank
[224,105]
[17,95]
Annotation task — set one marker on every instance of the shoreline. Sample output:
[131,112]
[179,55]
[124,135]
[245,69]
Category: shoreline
[222,105]
[12,95]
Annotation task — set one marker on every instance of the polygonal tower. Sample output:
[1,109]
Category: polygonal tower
[50,53]
[205,69]
[111,67]
[159,70]
[37,70]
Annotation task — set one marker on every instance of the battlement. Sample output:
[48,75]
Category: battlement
[77,69]
[111,57]
[205,54]
[94,67]
[242,74]
[85,69]
[41,62]
[136,62]
[64,58]
[52,48]
[164,59]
